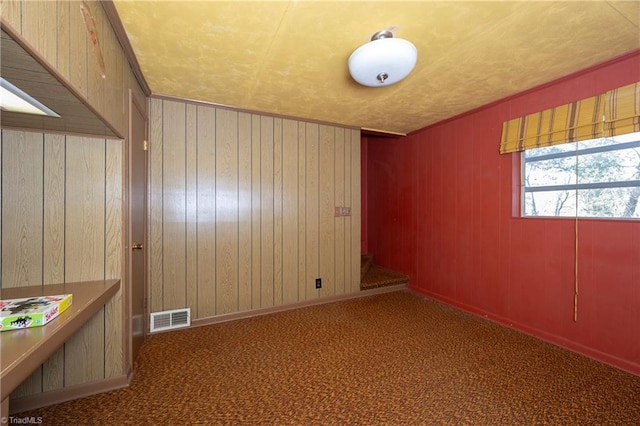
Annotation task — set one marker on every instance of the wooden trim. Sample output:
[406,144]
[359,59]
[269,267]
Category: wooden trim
[381,133]
[17,37]
[238,109]
[22,354]
[125,284]
[4,409]
[283,308]
[121,34]
[33,402]
[134,103]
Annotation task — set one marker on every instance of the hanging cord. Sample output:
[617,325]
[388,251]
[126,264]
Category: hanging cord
[575,272]
[575,257]
[575,288]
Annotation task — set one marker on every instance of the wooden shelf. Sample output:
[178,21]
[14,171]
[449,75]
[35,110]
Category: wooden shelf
[22,351]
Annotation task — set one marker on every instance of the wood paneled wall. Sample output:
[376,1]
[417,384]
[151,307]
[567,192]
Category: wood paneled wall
[441,210]
[242,209]
[56,30]
[62,213]
[62,196]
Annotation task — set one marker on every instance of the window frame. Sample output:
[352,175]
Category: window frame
[524,189]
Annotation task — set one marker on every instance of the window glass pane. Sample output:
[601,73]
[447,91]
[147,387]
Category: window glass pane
[606,202]
[629,137]
[609,202]
[556,171]
[537,152]
[596,142]
[550,203]
[612,166]
[565,168]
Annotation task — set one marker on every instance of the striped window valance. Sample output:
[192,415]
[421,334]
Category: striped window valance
[612,113]
[622,110]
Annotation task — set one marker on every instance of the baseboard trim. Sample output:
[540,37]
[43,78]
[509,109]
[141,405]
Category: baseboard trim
[44,399]
[283,308]
[611,360]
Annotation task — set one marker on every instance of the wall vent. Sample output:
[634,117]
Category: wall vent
[168,320]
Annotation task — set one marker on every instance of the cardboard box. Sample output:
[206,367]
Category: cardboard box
[31,311]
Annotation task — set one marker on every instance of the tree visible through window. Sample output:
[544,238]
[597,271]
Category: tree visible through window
[593,178]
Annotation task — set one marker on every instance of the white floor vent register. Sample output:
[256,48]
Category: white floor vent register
[168,320]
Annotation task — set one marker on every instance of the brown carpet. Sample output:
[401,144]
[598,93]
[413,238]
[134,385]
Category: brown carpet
[393,359]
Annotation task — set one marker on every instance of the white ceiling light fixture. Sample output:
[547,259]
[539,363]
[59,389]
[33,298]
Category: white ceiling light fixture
[383,61]
[14,99]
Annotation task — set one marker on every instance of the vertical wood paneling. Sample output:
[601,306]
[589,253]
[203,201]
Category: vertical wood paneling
[84,250]
[303,279]
[57,31]
[111,55]
[54,169]
[519,259]
[256,211]
[95,82]
[277,212]
[62,41]
[266,207]
[226,211]
[114,179]
[121,91]
[156,281]
[290,211]
[40,25]
[77,214]
[114,334]
[22,221]
[77,209]
[78,48]
[85,192]
[339,222]
[53,371]
[30,385]
[192,209]
[53,261]
[173,205]
[22,208]
[355,210]
[312,210]
[326,210]
[206,163]
[349,223]
[266,192]
[244,212]
[12,13]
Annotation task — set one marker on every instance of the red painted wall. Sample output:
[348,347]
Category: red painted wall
[364,180]
[440,208]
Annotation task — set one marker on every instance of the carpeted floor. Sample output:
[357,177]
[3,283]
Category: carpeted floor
[393,359]
[373,276]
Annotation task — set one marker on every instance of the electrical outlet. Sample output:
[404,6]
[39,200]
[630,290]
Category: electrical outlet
[318,282]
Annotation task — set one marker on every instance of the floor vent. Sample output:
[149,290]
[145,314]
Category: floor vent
[168,320]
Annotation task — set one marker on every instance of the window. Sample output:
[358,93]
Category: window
[591,178]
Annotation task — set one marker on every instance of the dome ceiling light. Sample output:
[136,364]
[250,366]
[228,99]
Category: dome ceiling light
[383,61]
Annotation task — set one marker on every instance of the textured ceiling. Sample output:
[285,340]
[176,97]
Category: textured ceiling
[290,57]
